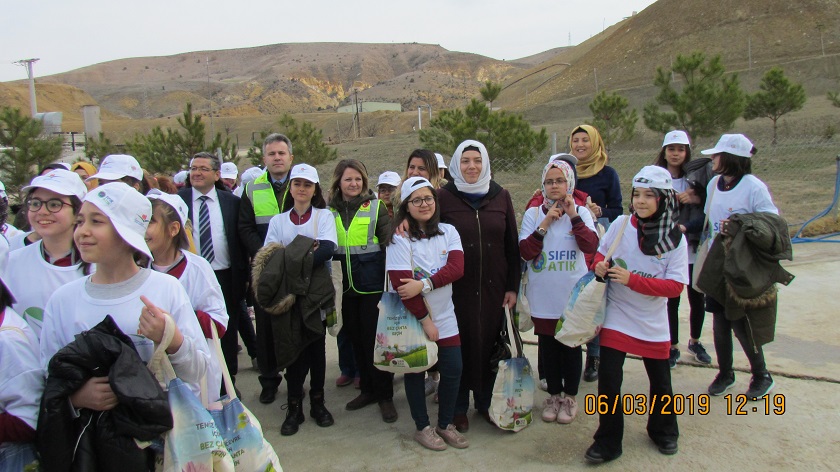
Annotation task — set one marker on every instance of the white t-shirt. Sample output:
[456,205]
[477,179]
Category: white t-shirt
[552,274]
[72,310]
[16,241]
[750,195]
[429,256]
[21,376]
[205,294]
[32,280]
[282,230]
[643,317]
[679,184]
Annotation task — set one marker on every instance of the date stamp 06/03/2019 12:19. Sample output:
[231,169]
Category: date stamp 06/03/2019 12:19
[679,404]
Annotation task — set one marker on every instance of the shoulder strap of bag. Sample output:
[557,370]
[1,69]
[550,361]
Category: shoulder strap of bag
[217,347]
[515,338]
[618,236]
[159,364]
[709,204]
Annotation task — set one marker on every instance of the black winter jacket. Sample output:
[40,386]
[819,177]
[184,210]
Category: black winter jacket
[105,438]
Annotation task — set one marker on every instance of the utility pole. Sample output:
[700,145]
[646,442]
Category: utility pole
[595,71]
[358,115]
[209,94]
[749,52]
[419,117]
[33,106]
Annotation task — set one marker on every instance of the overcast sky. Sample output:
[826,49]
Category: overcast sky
[67,35]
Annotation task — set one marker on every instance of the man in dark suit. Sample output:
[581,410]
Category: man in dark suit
[214,212]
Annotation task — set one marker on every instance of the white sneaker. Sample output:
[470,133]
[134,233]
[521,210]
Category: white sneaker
[568,411]
[552,406]
[543,385]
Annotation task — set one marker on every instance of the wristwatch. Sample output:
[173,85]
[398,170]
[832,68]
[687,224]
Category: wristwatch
[427,285]
[542,231]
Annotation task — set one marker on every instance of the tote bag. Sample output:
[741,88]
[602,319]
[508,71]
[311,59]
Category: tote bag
[401,345]
[703,248]
[513,391]
[522,314]
[19,457]
[586,308]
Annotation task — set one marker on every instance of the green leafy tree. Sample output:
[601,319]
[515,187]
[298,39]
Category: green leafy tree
[255,155]
[490,92]
[23,148]
[97,148]
[509,139]
[778,96]
[708,102]
[610,115]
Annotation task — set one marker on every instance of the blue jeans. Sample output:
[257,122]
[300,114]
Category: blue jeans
[346,360]
[449,365]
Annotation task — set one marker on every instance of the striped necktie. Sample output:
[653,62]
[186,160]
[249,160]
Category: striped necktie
[205,238]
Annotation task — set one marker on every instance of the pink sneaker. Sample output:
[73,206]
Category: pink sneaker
[551,407]
[429,439]
[568,411]
[343,380]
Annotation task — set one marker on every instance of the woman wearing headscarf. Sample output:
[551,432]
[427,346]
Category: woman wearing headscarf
[600,182]
[85,170]
[482,212]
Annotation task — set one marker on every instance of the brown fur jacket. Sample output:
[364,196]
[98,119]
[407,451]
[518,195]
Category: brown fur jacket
[294,291]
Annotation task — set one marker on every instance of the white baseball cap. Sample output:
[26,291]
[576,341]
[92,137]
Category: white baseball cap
[229,170]
[2,190]
[251,174]
[389,178]
[117,166]
[174,201]
[735,144]
[181,177]
[653,177]
[60,181]
[412,184]
[441,164]
[676,137]
[563,156]
[305,172]
[129,211]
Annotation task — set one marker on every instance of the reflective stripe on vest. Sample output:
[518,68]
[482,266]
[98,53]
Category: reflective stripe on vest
[360,238]
[261,194]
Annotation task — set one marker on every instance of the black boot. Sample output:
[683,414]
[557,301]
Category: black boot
[294,417]
[318,411]
[590,373]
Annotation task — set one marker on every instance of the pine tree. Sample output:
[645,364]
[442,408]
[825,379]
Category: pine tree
[778,96]
[307,143]
[610,115]
[708,102]
[490,92]
[23,148]
[509,139]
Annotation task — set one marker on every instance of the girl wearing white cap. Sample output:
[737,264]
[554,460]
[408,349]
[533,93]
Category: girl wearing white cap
[689,179]
[21,377]
[168,238]
[307,216]
[649,265]
[52,203]
[555,262]
[110,231]
[735,190]
[421,265]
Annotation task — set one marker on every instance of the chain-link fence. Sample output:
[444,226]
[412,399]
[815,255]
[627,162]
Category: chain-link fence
[799,170]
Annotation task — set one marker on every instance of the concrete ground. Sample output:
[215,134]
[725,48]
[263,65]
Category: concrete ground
[804,360]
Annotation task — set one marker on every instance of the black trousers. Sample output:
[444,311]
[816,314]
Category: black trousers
[230,341]
[723,329]
[313,361]
[360,313]
[610,431]
[269,373]
[246,329]
[696,314]
[562,365]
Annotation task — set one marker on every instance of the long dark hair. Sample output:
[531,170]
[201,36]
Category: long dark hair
[316,202]
[6,297]
[430,161]
[735,166]
[662,162]
[401,213]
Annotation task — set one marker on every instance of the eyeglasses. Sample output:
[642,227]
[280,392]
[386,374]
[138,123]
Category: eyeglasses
[54,205]
[429,201]
[203,170]
[551,183]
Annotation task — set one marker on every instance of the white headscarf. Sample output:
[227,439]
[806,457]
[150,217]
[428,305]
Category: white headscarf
[568,174]
[480,187]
